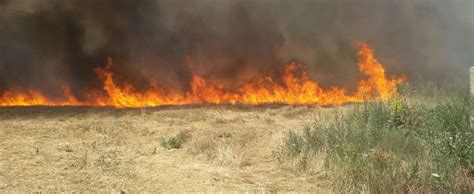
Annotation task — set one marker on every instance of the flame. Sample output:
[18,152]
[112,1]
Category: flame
[296,89]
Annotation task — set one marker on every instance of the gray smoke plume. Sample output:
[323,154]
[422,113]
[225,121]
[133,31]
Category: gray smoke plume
[47,43]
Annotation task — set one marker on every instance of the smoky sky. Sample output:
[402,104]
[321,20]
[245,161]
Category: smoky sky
[45,44]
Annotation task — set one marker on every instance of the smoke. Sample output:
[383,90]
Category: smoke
[45,44]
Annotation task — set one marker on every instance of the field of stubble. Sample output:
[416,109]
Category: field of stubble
[189,148]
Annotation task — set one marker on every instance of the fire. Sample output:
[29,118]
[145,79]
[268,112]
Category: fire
[297,89]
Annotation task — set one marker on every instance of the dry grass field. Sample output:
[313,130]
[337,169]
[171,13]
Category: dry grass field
[418,142]
[188,148]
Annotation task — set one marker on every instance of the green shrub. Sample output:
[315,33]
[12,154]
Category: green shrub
[175,142]
[394,146]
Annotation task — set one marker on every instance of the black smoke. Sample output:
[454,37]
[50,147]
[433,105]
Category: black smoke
[47,43]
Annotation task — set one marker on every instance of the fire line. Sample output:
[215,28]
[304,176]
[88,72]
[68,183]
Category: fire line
[297,89]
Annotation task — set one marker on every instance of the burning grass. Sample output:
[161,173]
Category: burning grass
[421,142]
[292,87]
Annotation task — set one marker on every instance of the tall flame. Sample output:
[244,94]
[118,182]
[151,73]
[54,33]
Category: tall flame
[297,89]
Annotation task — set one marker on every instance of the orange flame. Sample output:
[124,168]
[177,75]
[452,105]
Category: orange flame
[295,90]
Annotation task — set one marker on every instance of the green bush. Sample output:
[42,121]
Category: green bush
[175,142]
[397,146]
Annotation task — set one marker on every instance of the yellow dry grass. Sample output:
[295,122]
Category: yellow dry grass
[104,149]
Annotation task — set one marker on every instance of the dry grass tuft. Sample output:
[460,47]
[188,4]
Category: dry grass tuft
[223,149]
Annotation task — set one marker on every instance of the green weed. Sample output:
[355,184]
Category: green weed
[404,145]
